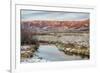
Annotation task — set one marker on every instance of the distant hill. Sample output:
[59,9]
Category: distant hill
[55,26]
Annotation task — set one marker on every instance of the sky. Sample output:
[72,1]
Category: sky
[52,15]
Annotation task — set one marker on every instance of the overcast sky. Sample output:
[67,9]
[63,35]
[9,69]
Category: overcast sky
[52,15]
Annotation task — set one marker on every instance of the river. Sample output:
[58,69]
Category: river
[48,53]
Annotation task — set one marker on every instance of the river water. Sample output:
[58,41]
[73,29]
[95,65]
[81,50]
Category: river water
[47,53]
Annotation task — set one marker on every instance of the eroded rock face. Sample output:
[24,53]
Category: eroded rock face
[40,25]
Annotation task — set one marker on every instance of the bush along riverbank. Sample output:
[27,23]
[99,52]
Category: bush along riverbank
[74,49]
[28,48]
[27,51]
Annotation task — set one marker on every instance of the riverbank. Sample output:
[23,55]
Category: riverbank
[28,50]
[74,49]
